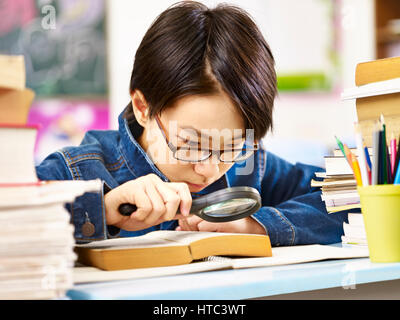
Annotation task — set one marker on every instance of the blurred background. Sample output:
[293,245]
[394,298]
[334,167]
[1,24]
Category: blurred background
[79,55]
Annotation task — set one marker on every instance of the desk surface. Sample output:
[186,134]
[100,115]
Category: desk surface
[244,283]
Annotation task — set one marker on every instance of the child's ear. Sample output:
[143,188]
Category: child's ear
[140,107]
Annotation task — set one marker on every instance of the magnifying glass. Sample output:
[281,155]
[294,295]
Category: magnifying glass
[220,206]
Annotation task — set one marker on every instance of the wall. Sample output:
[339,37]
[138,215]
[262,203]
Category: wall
[304,122]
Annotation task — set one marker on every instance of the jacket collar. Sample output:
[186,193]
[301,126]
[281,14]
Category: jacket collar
[136,158]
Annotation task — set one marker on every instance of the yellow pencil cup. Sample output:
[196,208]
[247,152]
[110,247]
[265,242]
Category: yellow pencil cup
[380,206]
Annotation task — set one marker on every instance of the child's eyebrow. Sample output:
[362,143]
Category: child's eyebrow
[199,133]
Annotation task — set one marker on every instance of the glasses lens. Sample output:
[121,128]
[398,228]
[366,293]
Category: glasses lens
[229,208]
[191,154]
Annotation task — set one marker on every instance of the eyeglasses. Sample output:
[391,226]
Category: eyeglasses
[191,153]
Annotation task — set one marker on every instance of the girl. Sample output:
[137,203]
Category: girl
[202,91]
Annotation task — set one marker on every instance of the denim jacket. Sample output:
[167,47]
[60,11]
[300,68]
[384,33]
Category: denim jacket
[292,212]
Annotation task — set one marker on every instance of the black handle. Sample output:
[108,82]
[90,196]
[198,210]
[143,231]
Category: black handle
[126,209]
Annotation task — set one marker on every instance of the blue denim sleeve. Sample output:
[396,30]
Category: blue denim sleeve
[86,208]
[292,211]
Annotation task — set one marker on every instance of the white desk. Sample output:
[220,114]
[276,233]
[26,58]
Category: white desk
[360,278]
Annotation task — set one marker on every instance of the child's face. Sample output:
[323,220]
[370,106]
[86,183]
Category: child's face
[194,122]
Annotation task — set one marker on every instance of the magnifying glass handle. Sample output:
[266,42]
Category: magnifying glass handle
[126,209]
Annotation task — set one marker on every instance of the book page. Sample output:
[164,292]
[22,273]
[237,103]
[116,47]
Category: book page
[92,274]
[300,254]
[147,240]
[187,237]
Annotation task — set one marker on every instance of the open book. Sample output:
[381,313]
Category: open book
[280,256]
[167,248]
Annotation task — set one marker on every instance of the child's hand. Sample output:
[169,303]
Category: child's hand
[157,201]
[245,225]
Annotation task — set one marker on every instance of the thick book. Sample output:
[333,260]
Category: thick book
[377,70]
[337,166]
[167,248]
[342,208]
[354,231]
[45,192]
[355,219]
[15,99]
[339,153]
[331,183]
[378,93]
[15,105]
[354,241]
[17,163]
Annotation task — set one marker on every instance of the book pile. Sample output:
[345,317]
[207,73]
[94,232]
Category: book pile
[376,96]
[36,241]
[338,185]
[354,231]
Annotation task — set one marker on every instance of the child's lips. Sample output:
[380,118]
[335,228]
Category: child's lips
[196,186]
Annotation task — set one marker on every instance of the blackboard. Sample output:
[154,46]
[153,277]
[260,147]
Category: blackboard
[63,42]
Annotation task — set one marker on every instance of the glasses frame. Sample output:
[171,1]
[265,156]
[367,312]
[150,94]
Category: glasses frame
[174,149]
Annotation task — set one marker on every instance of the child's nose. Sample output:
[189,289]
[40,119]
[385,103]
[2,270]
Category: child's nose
[208,170]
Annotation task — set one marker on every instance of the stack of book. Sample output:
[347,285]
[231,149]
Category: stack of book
[36,241]
[376,96]
[354,231]
[338,185]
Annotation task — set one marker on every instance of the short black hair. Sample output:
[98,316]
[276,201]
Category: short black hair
[193,50]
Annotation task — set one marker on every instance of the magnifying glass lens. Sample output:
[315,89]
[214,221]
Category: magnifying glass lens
[220,206]
[229,207]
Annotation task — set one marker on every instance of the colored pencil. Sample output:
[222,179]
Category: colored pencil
[348,155]
[380,156]
[397,158]
[346,152]
[388,166]
[397,177]
[368,158]
[393,152]
[340,144]
[369,165]
[362,161]
[384,157]
[356,170]
[375,155]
